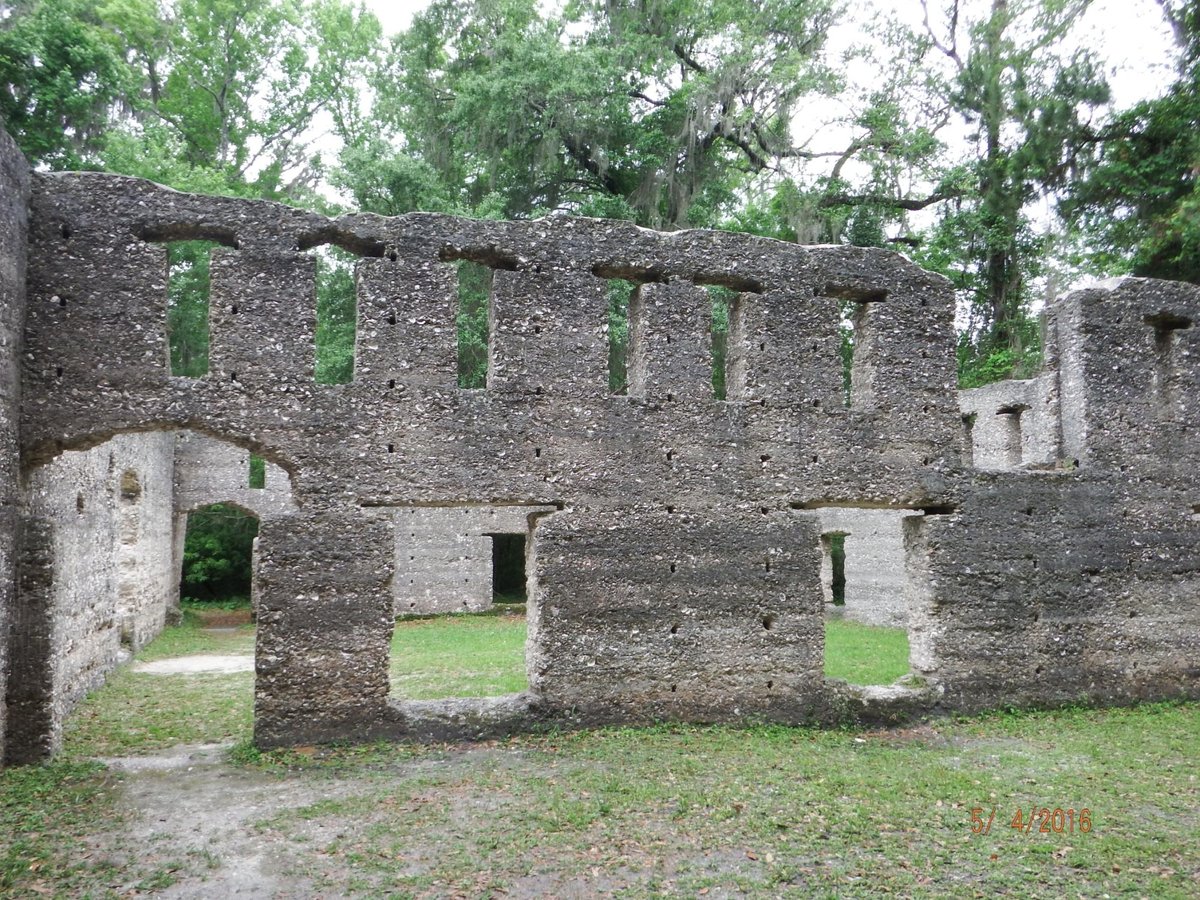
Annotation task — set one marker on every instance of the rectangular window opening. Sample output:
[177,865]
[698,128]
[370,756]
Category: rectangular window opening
[473,321]
[1166,366]
[508,568]
[188,265]
[620,294]
[724,302]
[1011,438]
[258,472]
[460,604]
[968,432]
[337,316]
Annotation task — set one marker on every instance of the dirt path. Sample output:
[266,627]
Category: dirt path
[194,818]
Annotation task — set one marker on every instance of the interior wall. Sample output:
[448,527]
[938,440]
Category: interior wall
[99,582]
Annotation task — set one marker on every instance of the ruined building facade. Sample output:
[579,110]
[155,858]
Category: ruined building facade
[1040,540]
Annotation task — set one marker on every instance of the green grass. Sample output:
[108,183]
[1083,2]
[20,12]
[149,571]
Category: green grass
[458,656]
[771,811]
[865,654]
[46,813]
[135,712]
[669,810]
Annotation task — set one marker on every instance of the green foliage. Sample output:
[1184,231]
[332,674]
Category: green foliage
[619,295]
[258,472]
[1029,107]
[217,553]
[62,69]
[187,306]
[610,109]
[337,317]
[1139,204]
[722,299]
[982,362]
[474,308]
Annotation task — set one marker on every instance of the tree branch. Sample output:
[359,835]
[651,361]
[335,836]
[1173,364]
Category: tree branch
[911,204]
[950,51]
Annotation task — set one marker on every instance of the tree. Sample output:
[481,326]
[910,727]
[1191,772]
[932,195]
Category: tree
[654,110]
[63,73]
[235,88]
[217,553]
[1138,207]
[1028,107]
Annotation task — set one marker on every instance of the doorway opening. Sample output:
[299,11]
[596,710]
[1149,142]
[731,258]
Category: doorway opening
[460,595]
[867,594]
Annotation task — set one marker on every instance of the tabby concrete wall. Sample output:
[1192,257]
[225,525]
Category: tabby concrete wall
[672,502]
[1084,583]
[1013,424]
[97,578]
[14,203]
[674,553]
[876,590]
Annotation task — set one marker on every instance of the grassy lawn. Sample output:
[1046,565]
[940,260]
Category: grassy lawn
[663,811]
[459,656]
[865,654]
[684,811]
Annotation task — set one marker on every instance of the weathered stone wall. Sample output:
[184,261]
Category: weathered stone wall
[208,470]
[679,575]
[97,582]
[445,554]
[14,204]
[1084,583]
[1013,424]
[664,477]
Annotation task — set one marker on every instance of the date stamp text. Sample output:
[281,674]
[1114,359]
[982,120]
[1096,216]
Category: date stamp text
[1034,820]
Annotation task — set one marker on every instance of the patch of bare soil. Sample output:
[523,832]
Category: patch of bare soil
[194,818]
[224,618]
[198,664]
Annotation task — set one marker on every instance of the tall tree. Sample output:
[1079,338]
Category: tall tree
[63,71]
[1138,207]
[1029,109]
[654,110]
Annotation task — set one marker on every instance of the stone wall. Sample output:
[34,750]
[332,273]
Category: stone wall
[14,203]
[674,555]
[876,590]
[1013,424]
[97,578]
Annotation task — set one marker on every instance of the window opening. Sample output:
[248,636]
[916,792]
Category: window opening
[473,321]
[258,473]
[864,584]
[337,316]
[723,300]
[1011,450]
[508,568]
[1166,367]
[188,285]
[620,293]
[460,602]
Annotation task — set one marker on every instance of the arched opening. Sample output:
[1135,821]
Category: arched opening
[106,525]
